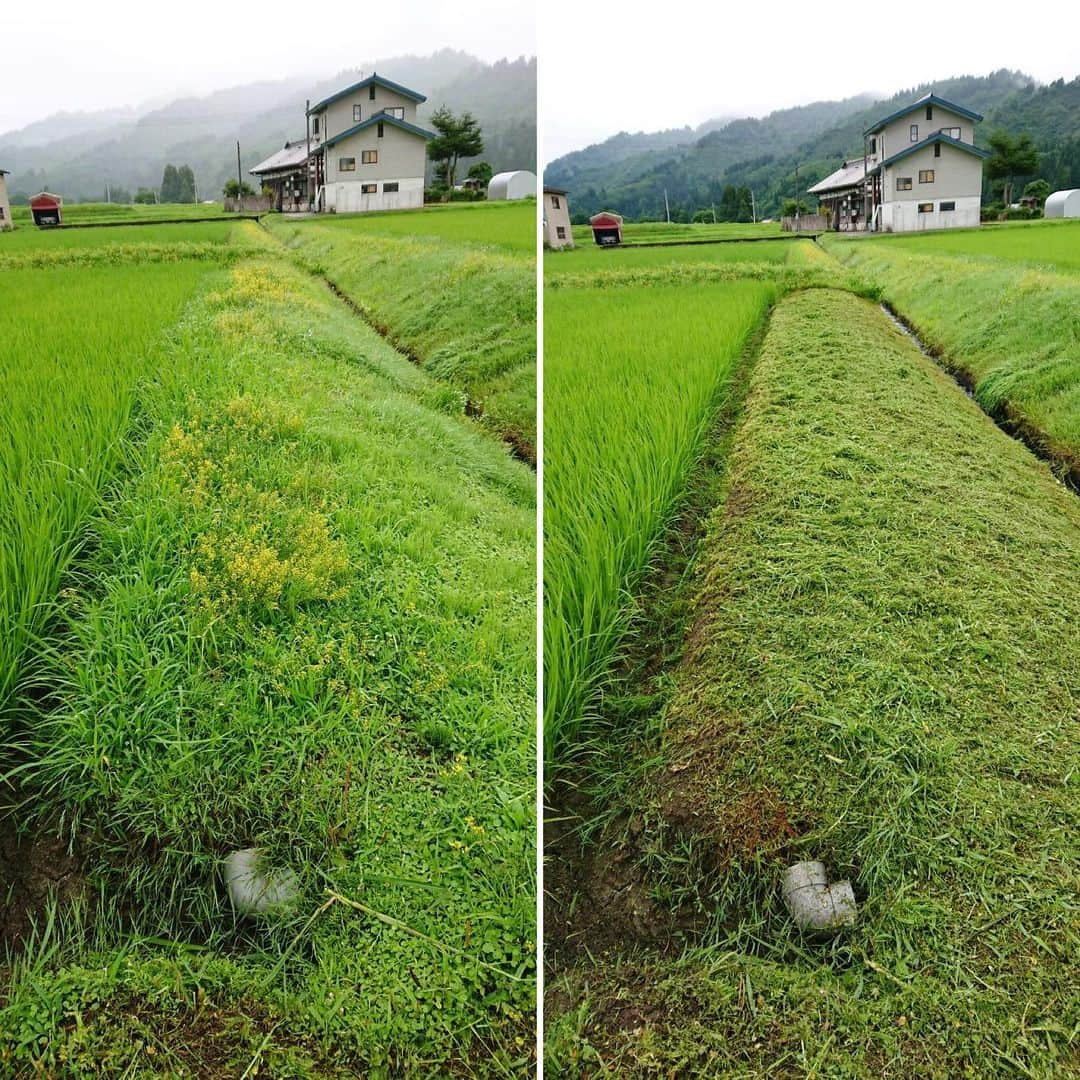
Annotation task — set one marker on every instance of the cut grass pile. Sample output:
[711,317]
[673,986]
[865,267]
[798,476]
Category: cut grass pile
[631,379]
[882,672]
[506,225]
[76,346]
[586,259]
[1053,245]
[1012,331]
[306,623]
[466,313]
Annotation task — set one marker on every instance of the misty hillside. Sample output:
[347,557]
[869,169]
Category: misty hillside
[77,154]
[763,154]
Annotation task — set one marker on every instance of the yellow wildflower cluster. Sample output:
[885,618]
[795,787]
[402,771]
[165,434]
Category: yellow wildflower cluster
[460,763]
[267,419]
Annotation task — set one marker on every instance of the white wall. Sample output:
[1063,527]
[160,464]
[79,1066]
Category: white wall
[556,217]
[905,217]
[347,197]
[5,207]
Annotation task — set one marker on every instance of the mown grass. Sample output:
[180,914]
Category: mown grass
[466,313]
[654,231]
[76,347]
[1012,330]
[580,260]
[306,622]
[881,671]
[631,378]
[49,240]
[505,225]
[1054,245]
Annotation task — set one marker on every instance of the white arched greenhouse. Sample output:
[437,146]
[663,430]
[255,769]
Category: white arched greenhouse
[520,184]
[1063,204]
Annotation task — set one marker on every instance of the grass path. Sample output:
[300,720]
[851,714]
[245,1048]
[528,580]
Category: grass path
[882,671]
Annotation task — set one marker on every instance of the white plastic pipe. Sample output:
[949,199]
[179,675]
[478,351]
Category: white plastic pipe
[815,905]
[254,890]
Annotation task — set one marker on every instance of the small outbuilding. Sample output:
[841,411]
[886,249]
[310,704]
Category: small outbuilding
[5,205]
[519,184]
[286,174]
[1063,204]
[46,208]
[606,228]
[557,231]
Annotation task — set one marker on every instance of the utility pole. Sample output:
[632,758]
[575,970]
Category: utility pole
[667,209]
[714,213]
[753,206]
[798,224]
[108,199]
[307,164]
[239,178]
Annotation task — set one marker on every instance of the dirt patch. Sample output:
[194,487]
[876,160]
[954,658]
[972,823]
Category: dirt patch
[34,868]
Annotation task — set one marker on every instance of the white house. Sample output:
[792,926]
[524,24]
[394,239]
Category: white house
[920,169]
[519,184]
[368,152]
[5,205]
[557,231]
[1062,204]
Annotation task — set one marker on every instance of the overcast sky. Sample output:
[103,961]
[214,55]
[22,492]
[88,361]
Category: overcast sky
[79,56]
[624,68]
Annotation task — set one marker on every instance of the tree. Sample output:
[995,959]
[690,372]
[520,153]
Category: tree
[457,137]
[186,184]
[233,188]
[789,207]
[481,171]
[1010,158]
[170,185]
[145,196]
[1037,190]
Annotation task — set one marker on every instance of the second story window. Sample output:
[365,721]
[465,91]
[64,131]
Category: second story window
[926,176]
[380,131]
[369,157]
[914,132]
[873,146]
[346,164]
[371,92]
[555,204]
[952,132]
[356,114]
[903,183]
[315,126]
[397,111]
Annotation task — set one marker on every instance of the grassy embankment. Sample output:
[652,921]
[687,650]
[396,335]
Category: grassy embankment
[1001,308]
[454,287]
[663,231]
[119,213]
[304,621]
[880,671]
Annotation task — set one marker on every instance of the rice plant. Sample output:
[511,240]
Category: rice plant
[631,378]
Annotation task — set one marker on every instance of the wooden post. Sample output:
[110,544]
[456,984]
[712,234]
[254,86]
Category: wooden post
[307,164]
[239,178]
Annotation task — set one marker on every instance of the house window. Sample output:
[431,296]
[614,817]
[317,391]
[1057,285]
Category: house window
[371,92]
[380,131]
[926,208]
[356,114]
[396,111]
[369,157]
[929,112]
[315,125]
[914,132]
[926,176]
[392,186]
[953,133]
[873,146]
[937,149]
[947,206]
[555,204]
[346,164]
[903,183]
[369,189]
[560,232]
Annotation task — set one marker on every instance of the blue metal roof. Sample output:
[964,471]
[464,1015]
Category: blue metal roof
[937,137]
[926,99]
[363,84]
[380,118]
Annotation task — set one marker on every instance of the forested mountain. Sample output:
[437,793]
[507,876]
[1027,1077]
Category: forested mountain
[762,155]
[77,155]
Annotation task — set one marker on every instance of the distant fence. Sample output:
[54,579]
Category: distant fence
[807,223]
[249,204]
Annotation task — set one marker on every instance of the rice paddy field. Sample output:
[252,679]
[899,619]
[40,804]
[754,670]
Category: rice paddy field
[851,640]
[1000,307]
[282,598]
[589,258]
[119,213]
[681,232]
[31,239]
[448,294]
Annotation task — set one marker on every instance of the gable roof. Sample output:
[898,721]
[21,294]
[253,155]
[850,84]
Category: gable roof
[850,174]
[378,80]
[937,137]
[292,156]
[379,118]
[926,99]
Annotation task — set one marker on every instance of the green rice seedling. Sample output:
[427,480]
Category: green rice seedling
[76,345]
[1021,356]
[657,231]
[35,239]
[588,259]
[880,670]
[631,378]
[465,312]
